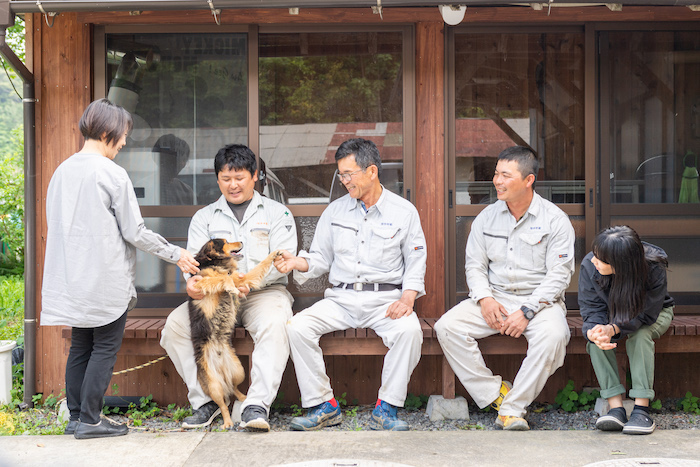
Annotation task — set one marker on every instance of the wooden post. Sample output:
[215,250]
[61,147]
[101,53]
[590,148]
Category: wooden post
[61,63]
[430,159]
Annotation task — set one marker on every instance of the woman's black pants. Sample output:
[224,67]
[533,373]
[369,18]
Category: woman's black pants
[93,353]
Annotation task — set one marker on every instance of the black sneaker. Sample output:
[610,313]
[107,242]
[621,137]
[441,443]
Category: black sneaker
[70,427]
[640,423]
[103,429]
[203,416]
[614,420]
[254,418]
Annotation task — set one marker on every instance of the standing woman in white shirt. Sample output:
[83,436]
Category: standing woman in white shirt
[94,227]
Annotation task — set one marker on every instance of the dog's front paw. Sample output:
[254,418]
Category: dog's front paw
[232,289]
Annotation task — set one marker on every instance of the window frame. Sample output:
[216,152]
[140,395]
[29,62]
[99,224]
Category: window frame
[159,304]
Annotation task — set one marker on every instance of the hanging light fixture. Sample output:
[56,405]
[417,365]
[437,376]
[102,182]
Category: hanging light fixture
[452,14]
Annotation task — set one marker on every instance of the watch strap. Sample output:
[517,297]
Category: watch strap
[529,313]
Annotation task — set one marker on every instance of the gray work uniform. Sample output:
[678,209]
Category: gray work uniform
[267,226]
[383,245]
[528,262]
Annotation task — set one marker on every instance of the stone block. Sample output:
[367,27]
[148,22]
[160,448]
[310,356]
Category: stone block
[236,412]
[440,408]
[602,407]
[63,412]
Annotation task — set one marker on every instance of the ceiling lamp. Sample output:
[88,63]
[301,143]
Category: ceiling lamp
[452,14]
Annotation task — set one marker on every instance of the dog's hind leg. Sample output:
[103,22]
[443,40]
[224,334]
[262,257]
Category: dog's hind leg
[237,375]
[216,392]
[239,395]
[211,382]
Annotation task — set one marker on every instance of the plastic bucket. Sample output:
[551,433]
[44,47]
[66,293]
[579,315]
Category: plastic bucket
[6,370]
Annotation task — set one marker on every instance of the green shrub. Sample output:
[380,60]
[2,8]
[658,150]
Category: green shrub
[12,206]
[571,401]
[414,402]
[689,404]
[12,308]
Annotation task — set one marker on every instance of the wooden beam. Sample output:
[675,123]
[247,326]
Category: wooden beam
[430,159]
[475,15]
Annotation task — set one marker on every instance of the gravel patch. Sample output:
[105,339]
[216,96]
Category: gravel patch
[357,418]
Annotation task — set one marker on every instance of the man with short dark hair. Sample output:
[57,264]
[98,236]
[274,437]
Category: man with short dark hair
[519,261]
[372,245]
[240,215]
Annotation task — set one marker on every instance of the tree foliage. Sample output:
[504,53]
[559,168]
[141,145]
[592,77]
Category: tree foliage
[10,89]
[14,36]
[12,206]
[330,89]
[12,159]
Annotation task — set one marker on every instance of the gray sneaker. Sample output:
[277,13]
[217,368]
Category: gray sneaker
[254,418]
[614,420]
[203,416]
[640,423]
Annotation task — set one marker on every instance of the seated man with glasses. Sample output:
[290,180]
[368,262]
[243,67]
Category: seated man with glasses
[372,245]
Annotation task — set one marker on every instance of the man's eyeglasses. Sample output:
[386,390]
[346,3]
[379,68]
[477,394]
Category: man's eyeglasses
[348,177]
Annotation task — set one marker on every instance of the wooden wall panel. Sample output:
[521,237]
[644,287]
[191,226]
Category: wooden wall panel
[430,159]
[61,58]
[160,379]
[359,377]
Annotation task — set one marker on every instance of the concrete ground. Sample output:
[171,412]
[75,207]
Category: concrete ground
[363,448]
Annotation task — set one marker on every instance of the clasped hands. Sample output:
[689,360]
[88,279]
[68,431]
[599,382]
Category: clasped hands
[498,318]
[601,335]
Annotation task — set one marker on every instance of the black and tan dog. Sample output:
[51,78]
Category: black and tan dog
[212,319]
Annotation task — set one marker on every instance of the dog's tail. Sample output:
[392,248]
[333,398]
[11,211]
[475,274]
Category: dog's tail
[220,365]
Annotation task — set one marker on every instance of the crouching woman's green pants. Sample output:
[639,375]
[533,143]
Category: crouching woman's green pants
[640,351]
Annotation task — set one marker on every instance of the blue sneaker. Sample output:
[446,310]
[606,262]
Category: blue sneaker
[326,414]
[384,418]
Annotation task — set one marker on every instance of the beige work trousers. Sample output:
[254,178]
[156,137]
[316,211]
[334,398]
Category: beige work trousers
[346,309]
[547,335]
[264,314]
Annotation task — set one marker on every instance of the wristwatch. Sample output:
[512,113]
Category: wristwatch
[527,312]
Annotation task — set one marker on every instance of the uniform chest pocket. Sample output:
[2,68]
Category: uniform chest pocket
[259,245]
[344,236]
[386,246]
[496,245]
[533,250]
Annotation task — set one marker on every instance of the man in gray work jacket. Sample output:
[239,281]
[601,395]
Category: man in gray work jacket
[263,225]
[520,259]
[372,245]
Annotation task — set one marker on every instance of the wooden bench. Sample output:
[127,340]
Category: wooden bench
[142,337]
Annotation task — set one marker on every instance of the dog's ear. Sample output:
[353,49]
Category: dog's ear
[212,250]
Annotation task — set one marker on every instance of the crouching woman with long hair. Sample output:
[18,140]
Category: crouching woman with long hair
[622,293]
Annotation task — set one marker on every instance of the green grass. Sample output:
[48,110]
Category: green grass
[12,308]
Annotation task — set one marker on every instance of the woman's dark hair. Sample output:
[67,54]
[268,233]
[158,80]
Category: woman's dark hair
[235,156]
[621,248]
[102,118]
